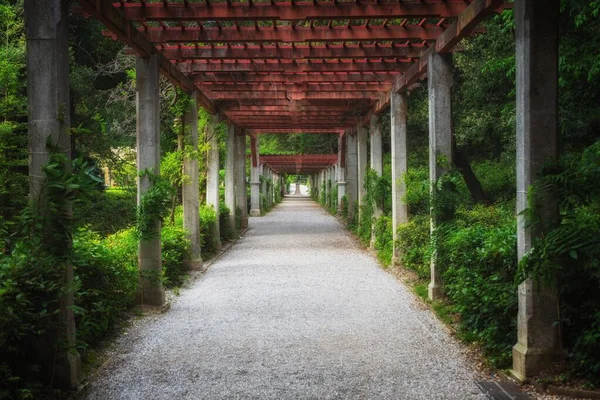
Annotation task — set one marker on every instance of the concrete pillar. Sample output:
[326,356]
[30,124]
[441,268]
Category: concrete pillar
[538,344]
[240,176]
[254,179]
[361,150]
[440,143]
[399,165]
[327,186]
[212,173]
[49,120]
[230,176]
[341,181]
[376,164]
[351,176]
[190,187]
[148,163]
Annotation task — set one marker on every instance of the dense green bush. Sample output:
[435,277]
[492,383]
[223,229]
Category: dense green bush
[225,229]
[208,225]
[479,260]
[175,250]
[413,244]
[569,252]
[384,242]
[108,211]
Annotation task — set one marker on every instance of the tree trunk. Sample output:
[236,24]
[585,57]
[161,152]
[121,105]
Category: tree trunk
[473,184]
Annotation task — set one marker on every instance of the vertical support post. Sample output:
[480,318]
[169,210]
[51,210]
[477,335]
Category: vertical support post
[240,176]
[49,121]
[230,176]
[538,342]
[440,144]
[341,172]
[361,149]
[254,179]
[190,187]
[376,164]
[399,111]
[148,163]
[352,175]
[212,173]
[327,187]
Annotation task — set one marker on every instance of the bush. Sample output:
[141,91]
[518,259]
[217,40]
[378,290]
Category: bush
[384,242]
[414,245]
[225,229]
[208,225]
[175,250]
[479,257]
[108,211]
[107,277]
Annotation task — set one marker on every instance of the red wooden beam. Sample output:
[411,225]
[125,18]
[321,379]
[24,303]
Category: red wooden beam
[288,52]
[294,87]
[295,11]
[295,67]
[291,34]
[127,33]
[293,130]
[290,77]
[294,108]
[234,95]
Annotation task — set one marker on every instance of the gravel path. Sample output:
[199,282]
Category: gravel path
[294,310]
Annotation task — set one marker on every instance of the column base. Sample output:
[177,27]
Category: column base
[395,260]
[530,361]
[194,265]
[255,213]
[244,222]
[153,295]
[435,291]
[68,373]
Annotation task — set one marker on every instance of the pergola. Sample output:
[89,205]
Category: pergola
[280,65]
[320,66]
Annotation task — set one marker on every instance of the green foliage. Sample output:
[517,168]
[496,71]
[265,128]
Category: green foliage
[413,243]
[175,250]
[208,225]
[479,256]
[108,211]
[344,208]
[225,227]
[154,205]
[384,242]
[568,251]
[298,143]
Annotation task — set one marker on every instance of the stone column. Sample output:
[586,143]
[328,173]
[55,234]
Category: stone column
[230,176]
[148,163]
[190,187]
[352,176]
[361,151]
[399,165]
[254,179]
[327,186]
[376,164]
[212,173]
[240,176]
[46,25]
[538,344]
[440,142]
[341,179]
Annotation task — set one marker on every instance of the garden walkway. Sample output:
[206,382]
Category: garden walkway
[294,310]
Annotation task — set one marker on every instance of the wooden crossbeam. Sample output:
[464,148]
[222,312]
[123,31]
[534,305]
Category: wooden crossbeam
[293,130]
[295,67]
[289,96]
[221,52]
[122,28]
[292,11]
[295,87]
[292,34]
[296,77]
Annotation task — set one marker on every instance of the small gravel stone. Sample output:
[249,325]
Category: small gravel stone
[294,310]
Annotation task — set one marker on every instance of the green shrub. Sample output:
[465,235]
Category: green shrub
[108,211]
[175,250]
[225,228]
[384,242]
[479,256]
[414,245]
[107,279]
[344,209]
[208,225]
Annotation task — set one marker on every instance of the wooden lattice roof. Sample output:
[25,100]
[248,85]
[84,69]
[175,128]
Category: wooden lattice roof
[320,66]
